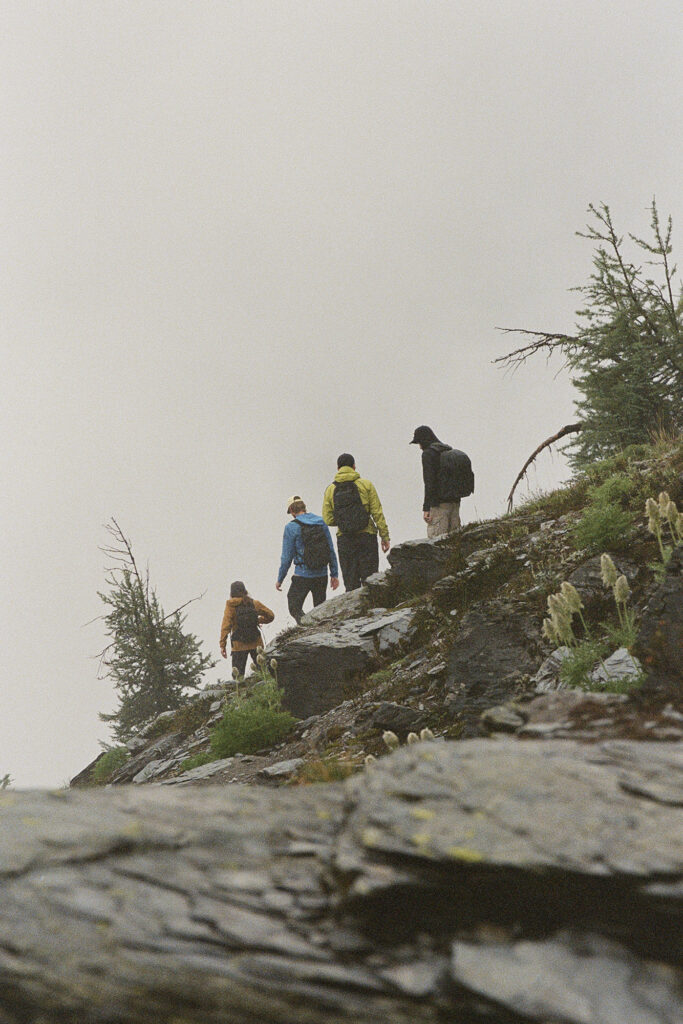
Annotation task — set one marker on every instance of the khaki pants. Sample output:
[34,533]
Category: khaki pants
[445,519]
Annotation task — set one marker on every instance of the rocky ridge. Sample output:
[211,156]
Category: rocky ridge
[521,863]
[450,638]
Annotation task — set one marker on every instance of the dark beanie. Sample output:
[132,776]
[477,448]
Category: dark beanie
[424,435]
[238,589]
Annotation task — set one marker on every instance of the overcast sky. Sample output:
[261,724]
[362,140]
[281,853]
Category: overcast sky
[242,237]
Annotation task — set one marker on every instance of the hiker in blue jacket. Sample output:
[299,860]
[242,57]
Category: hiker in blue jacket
[307,542]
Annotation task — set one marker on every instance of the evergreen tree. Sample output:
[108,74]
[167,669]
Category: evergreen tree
[626,357]
[151,659]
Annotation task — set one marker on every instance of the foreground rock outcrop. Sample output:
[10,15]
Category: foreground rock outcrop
[487,880]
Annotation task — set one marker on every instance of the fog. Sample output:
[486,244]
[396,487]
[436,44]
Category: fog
[241,238]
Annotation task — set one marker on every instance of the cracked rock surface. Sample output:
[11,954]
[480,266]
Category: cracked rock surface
[487,880]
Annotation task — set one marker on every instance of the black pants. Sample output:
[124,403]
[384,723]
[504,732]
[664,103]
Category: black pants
[358,557]
[300,588]
[239,659]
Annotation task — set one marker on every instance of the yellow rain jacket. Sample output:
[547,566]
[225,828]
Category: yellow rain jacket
[369,497]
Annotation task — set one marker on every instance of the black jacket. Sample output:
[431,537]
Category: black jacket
[430,472]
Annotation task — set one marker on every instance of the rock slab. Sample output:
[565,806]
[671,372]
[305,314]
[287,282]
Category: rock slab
[485,880]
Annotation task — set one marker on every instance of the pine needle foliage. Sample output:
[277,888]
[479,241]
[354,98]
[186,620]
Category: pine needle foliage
[151,659]
[626,355]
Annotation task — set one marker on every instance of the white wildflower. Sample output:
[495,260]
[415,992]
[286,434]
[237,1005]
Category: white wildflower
[390,739]
[571,596]
[413,738]
[653,517]
[370,759]
[663,501]
[671,512]
[427,734]
[622,591]
[550,633]
[608,570]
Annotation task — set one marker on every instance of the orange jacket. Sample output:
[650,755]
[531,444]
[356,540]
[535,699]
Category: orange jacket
[228,624]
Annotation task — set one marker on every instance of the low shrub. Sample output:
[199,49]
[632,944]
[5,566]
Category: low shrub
[108,764]
[615,490]
[604,527]
[195,760]
[576,668]
[251,723]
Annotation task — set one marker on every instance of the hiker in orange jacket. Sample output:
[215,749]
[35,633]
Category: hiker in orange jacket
[241,620]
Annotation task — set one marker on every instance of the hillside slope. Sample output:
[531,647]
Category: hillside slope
[450,639]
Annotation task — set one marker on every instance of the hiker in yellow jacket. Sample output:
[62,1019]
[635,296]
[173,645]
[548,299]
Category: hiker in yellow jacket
[241,620]
[353,506]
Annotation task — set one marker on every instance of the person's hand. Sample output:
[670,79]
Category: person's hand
[427,516]
[334,582]
[278,585]
[386,544]
[224,653]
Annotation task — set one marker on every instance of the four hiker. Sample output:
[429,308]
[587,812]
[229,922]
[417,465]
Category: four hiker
[307,542]
[448,477]
[241,620]
[352,505]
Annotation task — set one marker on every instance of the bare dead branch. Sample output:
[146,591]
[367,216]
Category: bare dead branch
[571,428]
[543,340]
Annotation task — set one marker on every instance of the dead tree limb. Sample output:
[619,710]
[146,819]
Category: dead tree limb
[571,428]
[542,340]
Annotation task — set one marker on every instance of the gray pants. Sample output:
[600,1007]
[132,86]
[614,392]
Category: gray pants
[445,519]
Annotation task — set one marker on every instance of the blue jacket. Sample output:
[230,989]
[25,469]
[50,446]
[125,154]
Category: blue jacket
[293,549]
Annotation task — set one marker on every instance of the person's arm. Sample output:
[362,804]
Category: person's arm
[287,553]
[328,506]
[226,628]
[334,565]
[430,473]
[377,514]
[264,614]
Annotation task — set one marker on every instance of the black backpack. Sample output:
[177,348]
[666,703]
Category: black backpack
[246,630]
[350,514]
[316,548]
[456,479]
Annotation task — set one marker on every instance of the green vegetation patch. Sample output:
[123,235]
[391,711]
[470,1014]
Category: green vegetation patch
[251,723]
[109,764]
[196,760]
[325,769]
[602,528]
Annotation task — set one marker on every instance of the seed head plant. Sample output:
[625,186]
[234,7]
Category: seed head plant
[663,514]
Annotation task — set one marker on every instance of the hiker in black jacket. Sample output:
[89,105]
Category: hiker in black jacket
[448,477]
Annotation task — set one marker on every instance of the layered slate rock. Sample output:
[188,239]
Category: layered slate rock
[660,638]
[320,669]
[488,880]
[495,650]
[420,562]
[587,579]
